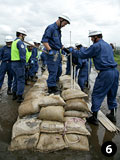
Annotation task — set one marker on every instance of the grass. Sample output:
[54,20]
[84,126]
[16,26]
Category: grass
[117,59]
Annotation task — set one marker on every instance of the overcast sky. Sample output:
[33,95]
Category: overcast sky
[36,15]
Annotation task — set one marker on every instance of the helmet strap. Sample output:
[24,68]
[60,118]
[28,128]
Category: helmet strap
[61,20]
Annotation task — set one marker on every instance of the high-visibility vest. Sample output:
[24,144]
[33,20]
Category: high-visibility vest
[15,56]
[28,55]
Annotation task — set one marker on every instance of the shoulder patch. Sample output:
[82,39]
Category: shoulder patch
[22,46]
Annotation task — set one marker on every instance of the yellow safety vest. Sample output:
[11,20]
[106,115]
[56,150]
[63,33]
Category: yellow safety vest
[28,55]
[15,56]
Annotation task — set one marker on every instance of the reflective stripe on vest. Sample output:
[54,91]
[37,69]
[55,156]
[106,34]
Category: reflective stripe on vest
[28,55]
[15,56]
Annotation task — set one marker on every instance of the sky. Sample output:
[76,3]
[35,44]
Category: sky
[85,15]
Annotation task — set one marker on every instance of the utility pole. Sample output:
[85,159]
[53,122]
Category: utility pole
[70,38]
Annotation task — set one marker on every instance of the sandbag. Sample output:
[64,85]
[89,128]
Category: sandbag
[45,74]
[26,126]
[41,80]
[52,127]
[78,114]
[29,107]
[73,93]
[76,104]
[67,85]
[52,100]
[75,125]
[34,93]
[64,78]
[50,142]
[77,142]
[41,84]
[52,113]
[24,142]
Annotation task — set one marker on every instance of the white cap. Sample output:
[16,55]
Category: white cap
[22,30]
[94,33]
[31,42]
[36,41]
[8,39]
[65,17]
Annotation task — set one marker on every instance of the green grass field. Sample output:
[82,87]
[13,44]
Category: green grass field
[117,59]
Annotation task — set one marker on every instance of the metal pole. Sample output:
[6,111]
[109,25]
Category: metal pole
[70,38]
[89,67]
[71,67]
[35,46]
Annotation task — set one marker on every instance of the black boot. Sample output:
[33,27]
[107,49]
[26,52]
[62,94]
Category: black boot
[9,92]
[112,115]
[52,90]
[33,80]
[14,96]
[36,76]
[26,82]
[20,99]
[93,119]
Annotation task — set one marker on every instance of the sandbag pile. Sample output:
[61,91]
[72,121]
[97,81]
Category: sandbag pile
[52,128]
[65,82]
[75,113]
[51,123]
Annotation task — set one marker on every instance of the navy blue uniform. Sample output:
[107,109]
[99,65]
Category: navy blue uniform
[18,68]
[52,36]
[5,57]
[108,78]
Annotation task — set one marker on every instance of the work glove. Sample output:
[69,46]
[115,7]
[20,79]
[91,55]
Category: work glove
[70,49]
[51,53]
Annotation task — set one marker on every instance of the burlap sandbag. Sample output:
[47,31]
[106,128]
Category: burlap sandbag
[75,125]
[42,85]
[67,85]
[77,142]
[45,74]
[76,104]
[26,126]
[29,107]
[42,79]
[52,100]
[64,78]
[33,94]
[78,114]
[52,113]
[52,127]
[24,142]
[73,93]
[50,142]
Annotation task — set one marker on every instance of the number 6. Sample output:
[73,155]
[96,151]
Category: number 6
[108,149]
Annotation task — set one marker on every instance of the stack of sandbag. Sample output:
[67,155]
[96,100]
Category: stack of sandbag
[75,113]
[65,82]
[32,106]
[52,126]
[25,134]
[30,132]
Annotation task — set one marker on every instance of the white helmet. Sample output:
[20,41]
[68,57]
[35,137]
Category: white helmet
[31,43]
[8,39]
[22,30]
[36,41]
[65,17]
[94,33]
[77,44]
